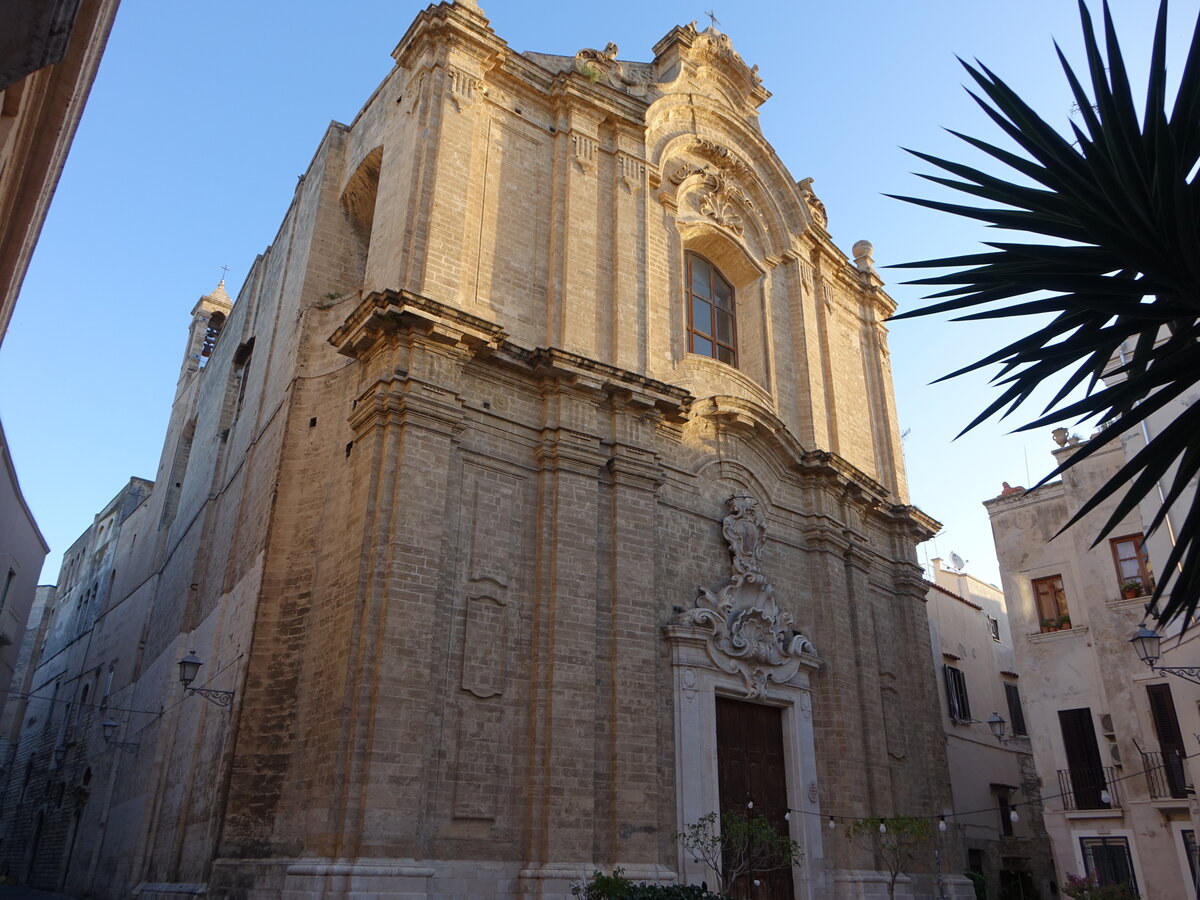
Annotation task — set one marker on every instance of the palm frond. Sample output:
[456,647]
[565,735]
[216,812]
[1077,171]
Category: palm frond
[1114,260]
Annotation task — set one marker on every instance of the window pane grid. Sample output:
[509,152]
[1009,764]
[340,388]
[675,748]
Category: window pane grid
[1051,601]
[1108,860]
[712,328]
[1129,554]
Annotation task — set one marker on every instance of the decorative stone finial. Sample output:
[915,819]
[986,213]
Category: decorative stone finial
[862,256]
[1060,436]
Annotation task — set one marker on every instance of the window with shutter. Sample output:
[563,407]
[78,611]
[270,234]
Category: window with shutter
[957,704]
[1016,715]
[1170,737]
[1086,779]
[1189,850]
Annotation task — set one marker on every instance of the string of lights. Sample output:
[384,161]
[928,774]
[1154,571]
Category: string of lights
[941,818]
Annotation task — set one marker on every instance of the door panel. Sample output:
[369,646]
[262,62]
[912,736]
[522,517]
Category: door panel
[750,768]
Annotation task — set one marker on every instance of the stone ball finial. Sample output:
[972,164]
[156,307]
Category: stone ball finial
[862,256]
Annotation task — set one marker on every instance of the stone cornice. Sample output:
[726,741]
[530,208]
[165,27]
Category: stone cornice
[384,312]
[551,362]
[446,22]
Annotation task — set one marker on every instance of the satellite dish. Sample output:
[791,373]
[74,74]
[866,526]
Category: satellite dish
[956,561]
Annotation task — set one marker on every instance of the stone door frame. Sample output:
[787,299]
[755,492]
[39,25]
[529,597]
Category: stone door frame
[697,682]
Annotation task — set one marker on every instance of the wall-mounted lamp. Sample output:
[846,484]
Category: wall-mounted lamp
[996,722]
[108,728]
[188,667]
[1148,645]
[60,755]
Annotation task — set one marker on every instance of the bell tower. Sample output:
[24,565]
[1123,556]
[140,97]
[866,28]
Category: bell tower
[208,318]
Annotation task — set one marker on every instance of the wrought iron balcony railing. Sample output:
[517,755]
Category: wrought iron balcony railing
[1089,788]
[1166,775]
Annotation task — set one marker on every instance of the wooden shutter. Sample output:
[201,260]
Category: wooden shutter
[1170,737]
[956,694]
[1015,713]
[1083,757]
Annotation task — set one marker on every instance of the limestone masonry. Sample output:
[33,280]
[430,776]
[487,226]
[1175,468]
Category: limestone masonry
[550,439]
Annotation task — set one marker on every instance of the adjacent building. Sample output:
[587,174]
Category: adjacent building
[540,494]
[997,791]
[1108,733]
[22,552]
[49,53]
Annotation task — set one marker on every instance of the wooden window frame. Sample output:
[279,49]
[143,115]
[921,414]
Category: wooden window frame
[1061,607]
[713,303]
[958,702]
[1016,711]
[1145,576]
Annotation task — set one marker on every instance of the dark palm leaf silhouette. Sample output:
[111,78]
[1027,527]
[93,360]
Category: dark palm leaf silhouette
[1118,214]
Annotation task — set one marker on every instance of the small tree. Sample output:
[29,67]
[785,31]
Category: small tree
[894,840]
[742,845]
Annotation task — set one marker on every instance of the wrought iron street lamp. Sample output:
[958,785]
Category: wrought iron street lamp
[188,667]
[108,728]
[1148,646]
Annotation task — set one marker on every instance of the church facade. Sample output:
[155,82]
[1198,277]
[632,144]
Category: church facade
[540,493]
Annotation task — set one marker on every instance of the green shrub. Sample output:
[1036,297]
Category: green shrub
[1090,889]
[617,887]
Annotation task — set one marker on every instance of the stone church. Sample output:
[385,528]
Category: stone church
[540,493]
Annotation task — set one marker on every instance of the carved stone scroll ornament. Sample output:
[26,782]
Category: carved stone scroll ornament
[815,206]
[750,636]
[603,66]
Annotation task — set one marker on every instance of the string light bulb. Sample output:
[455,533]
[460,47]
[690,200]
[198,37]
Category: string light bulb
[1105,796]
[832,824]
[1012,816]
[787,816]
[882,828]
[942,824]
[750,804]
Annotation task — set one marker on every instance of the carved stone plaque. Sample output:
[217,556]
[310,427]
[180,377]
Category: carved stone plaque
[485,642]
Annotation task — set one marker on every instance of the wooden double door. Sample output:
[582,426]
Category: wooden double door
[750,769]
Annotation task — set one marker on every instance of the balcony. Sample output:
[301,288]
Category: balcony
[1166,776]
[1088,788]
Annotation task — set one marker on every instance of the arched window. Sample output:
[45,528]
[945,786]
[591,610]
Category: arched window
[712,330]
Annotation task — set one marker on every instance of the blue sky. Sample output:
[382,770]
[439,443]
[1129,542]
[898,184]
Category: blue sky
[204,114]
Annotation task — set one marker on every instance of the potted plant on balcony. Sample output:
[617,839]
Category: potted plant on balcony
[1131,588]
[1064,622]
[1049,625]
